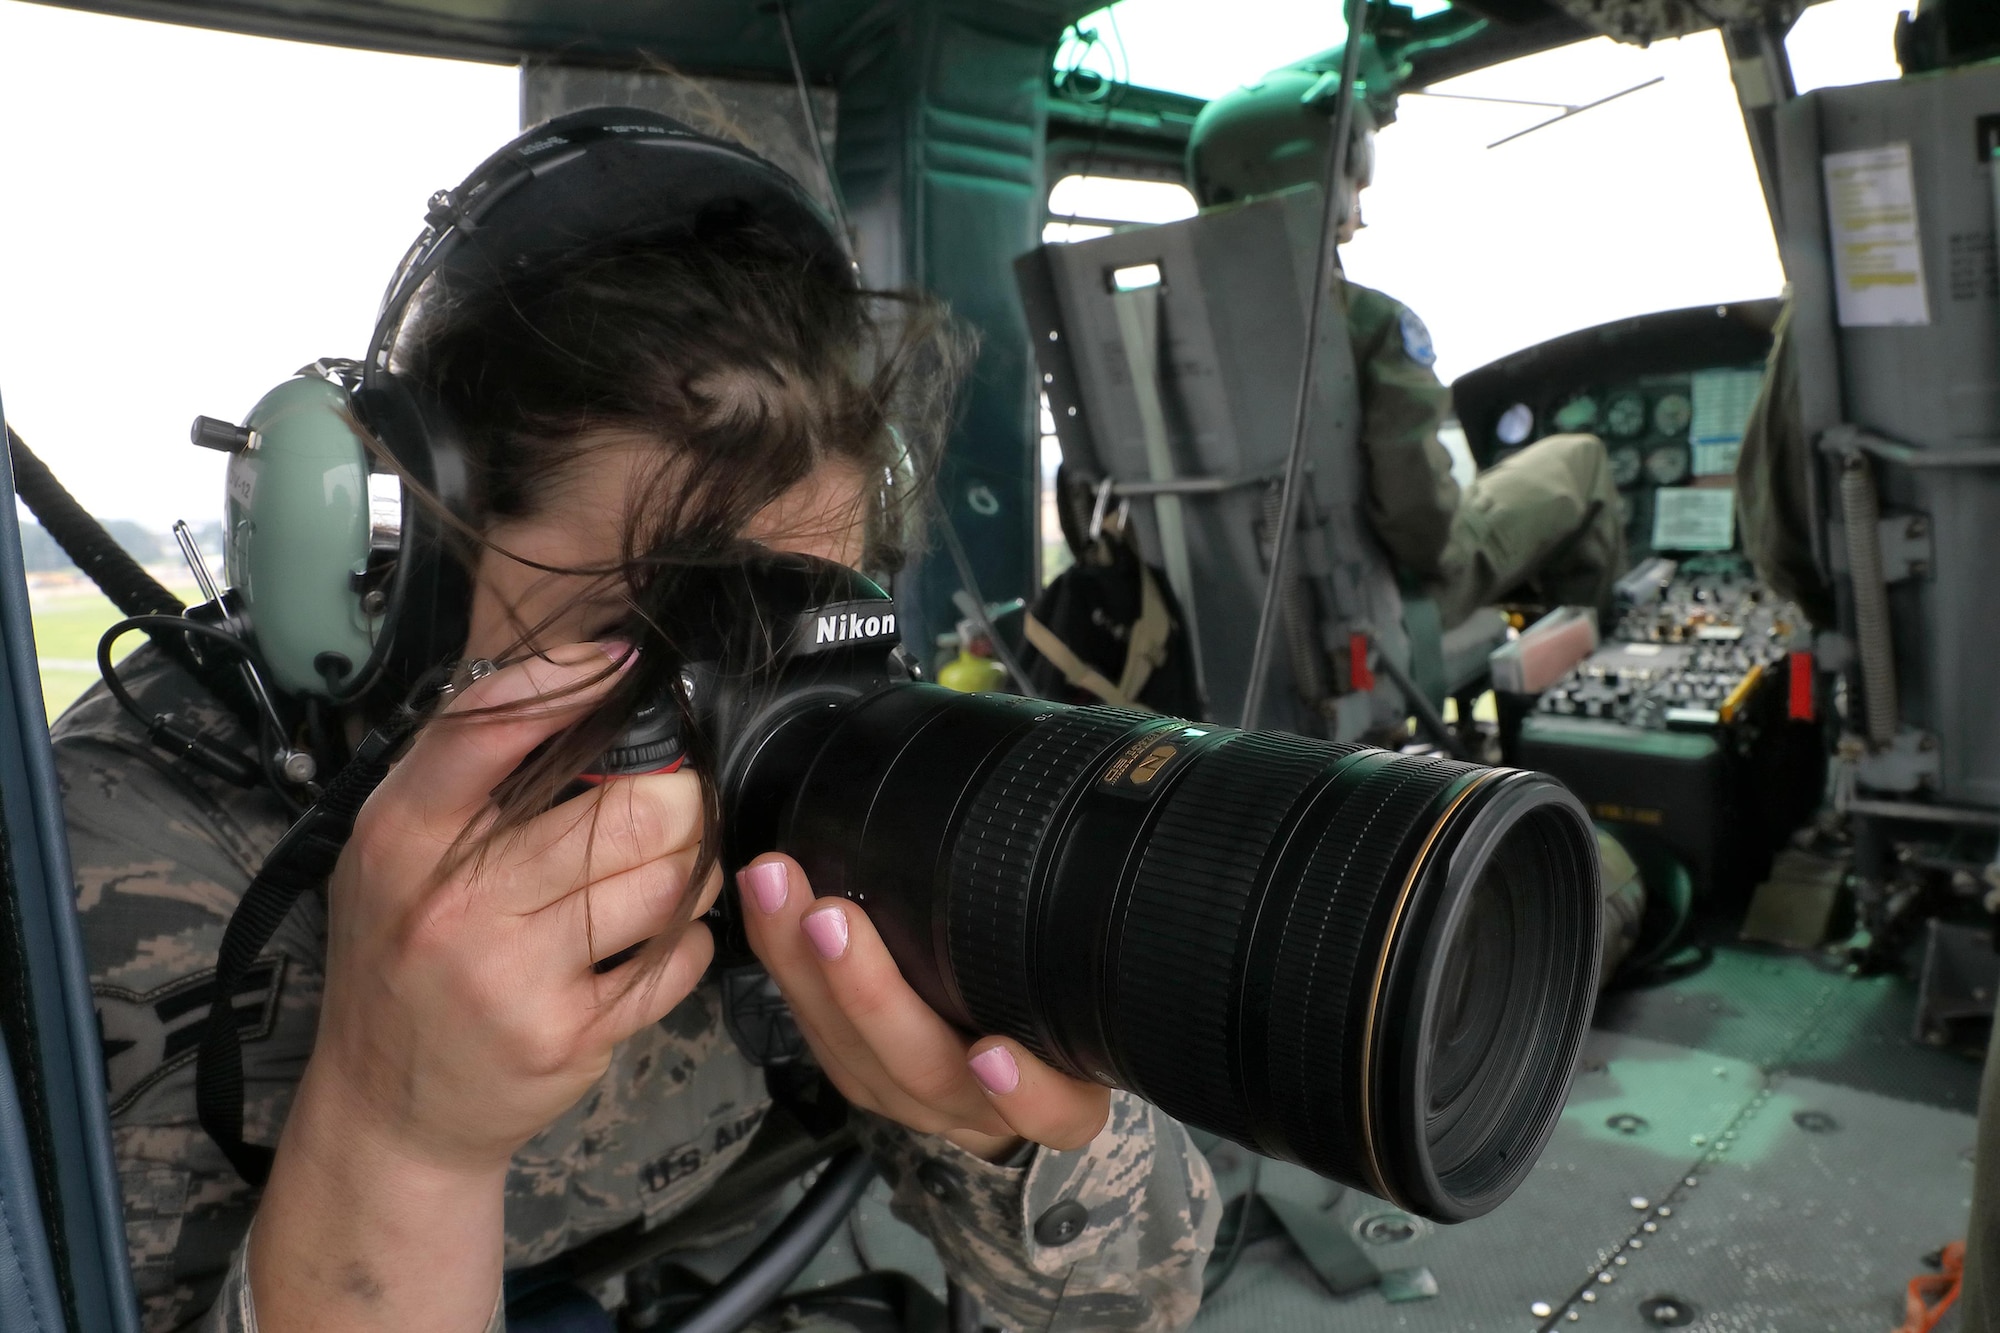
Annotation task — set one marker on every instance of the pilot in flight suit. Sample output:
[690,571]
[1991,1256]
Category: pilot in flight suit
[1545,521]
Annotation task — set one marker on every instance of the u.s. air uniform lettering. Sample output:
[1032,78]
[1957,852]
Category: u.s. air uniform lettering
[1113,1236]
[1548,514]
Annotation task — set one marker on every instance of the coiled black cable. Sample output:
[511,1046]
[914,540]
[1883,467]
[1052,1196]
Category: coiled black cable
[117,575]
[164,729]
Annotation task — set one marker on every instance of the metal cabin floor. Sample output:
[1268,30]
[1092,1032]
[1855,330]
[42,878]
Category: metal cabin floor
[1794,1152]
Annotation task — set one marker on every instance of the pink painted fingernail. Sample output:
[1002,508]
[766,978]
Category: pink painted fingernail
[619,651]
[827,929]
[766,883]
[996,1071]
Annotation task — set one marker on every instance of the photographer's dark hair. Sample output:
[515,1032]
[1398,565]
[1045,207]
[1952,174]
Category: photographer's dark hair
[739,366]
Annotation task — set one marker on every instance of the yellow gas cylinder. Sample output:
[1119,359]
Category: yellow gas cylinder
[970,673]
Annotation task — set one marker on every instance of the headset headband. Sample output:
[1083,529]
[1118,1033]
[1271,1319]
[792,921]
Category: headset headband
[589,177]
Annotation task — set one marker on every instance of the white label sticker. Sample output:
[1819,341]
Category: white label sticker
[1722,401]
[242,483]
[1878,261]
[1694,518]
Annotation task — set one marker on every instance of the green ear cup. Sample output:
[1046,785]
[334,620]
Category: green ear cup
[298,525]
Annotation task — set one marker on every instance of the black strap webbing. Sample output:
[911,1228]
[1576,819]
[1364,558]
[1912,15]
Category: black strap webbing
[83,539]
[301,861]
[117,575]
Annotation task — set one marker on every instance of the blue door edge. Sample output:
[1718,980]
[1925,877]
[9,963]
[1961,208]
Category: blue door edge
[86,1187]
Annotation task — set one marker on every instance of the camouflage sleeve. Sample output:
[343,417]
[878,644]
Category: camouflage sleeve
[235,1312]
[1411,493]
[161,854]
[1112,1236]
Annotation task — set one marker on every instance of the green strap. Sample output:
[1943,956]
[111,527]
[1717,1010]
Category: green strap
[1425,627]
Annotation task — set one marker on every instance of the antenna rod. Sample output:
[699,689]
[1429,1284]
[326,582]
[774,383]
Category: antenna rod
[295,765]
[1329,238]
[812,127]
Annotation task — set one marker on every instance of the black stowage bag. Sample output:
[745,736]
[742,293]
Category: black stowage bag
[1109,630]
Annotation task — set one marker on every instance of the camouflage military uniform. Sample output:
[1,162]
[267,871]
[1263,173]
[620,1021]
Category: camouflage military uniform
[162,854]
[1528,519]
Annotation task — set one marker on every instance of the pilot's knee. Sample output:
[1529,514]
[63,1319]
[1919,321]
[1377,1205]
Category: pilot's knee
[1624,903]
[1584,456]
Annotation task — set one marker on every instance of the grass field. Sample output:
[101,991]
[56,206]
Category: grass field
[68,622]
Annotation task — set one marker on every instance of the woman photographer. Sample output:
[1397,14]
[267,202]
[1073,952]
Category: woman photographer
[455,1083]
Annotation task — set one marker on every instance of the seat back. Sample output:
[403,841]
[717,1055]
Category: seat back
[1170,355]
[59,1195]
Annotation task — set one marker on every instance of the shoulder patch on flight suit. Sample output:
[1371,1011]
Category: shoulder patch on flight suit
[1416,338]
[148,1035]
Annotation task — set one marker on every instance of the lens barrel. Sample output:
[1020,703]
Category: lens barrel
[1379,966]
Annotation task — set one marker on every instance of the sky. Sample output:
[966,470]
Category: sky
[186,217]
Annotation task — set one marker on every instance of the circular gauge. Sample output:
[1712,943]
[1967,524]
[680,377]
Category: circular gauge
[1626,416]
[1624,511]
[1514,424]
[1625,466]
[1668,464]
[1579,413]
[1672,414]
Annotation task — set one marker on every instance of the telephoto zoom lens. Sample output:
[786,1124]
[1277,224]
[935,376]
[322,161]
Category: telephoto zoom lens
[1379,966]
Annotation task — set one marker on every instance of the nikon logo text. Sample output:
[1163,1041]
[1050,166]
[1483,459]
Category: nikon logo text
[847,625]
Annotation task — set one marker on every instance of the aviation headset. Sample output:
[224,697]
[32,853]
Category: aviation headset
[347,483]
[348,573]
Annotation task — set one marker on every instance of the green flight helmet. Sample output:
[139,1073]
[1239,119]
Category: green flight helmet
[1272,135]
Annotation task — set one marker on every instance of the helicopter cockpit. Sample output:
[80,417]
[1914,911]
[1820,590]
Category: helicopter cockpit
[1775,720]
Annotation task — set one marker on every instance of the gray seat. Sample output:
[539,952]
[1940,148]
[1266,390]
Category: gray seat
[1170,356]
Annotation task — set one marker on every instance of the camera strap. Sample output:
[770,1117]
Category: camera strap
[300,862]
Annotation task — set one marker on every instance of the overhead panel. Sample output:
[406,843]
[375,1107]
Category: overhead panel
[713,36]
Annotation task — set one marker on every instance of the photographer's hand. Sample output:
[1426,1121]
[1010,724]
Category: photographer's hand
[884,1048]
[462,1013]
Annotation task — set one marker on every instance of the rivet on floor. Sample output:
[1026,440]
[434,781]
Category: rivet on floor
[1666,1212]
[1666,1312]
[1640,1203]
[1541,1309]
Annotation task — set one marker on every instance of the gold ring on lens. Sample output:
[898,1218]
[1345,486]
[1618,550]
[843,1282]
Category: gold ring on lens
[1368,1154]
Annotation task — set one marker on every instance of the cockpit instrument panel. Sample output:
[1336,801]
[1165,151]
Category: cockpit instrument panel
[1692,727]
[1668,393]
